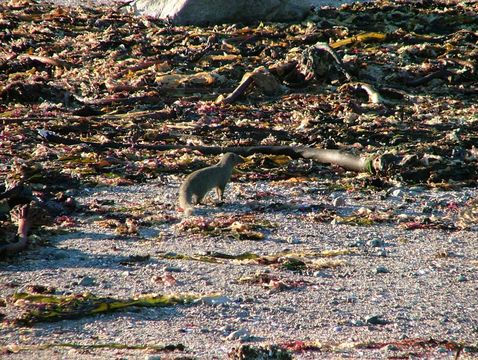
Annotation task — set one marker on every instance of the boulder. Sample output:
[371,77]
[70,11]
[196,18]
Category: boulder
[203,12]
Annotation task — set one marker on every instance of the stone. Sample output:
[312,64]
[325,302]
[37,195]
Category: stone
[397,193]
[390,347]
[338,201]
[381,270]
[375,243]
[382,253]
[214,300]
[172,269]
[87,281]
[376,320]
[241,334]
[152,357]
[322,274]
[203,12]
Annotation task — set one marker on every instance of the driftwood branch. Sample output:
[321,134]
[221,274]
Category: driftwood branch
[439,74]
[49,60]
[238,91]
[327,156]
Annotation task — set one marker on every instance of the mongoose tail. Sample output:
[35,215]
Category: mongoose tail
[200,182]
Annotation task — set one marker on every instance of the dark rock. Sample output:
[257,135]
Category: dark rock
[87,281]
[376,320]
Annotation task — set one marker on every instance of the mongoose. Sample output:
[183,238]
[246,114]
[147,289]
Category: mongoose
[200,182]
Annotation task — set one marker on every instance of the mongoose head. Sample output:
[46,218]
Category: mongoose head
[232,159]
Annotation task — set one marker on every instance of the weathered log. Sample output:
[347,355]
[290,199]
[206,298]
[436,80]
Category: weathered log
[336,157]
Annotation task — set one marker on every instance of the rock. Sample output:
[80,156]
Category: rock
[375,243]
[397,193]
[356,243]
[427,209]
[242,314]
[462,278]
[390,347]
[381,270]
[241,334]
[358,323]
[215,300]
[322,274]
[87,281]
[376,320]
[226,329]
[382,253]
[152,357]
[292,240]
[338,201]
[202,12]
[172,269]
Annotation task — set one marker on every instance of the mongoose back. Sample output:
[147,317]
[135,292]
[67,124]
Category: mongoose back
[200,182]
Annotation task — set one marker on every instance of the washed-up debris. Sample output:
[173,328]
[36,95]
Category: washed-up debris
[39,307]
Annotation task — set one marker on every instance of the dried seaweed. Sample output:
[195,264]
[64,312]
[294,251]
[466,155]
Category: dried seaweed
[292,261]
[40,307]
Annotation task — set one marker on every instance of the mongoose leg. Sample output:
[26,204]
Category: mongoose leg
[220,192]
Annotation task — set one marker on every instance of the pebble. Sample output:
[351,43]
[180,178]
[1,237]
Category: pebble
[242,314]
[226,328]
[358,323]
[382,253]
[397,193]
[172,269]
[292,240]
[322,274]
[427,209]
[152,357]
[215,300]
[355,243]
[421,272]
[87,281]
[375,243]
[376,320]
[381,270]
[338,201]
[105,285]
[241,334]
[462,278]
[390,347]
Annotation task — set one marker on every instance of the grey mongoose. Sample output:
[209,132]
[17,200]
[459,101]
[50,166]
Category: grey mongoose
[200,182]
